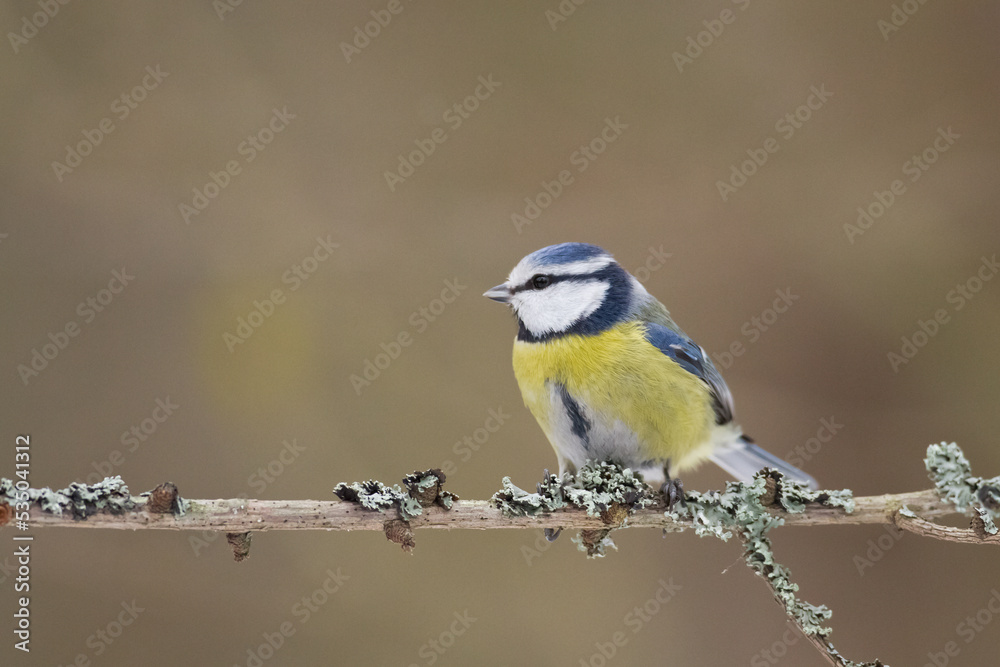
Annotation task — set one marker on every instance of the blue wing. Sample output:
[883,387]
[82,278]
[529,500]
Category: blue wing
[694,360]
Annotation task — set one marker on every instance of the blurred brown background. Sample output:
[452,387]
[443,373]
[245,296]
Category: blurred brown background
[222,74]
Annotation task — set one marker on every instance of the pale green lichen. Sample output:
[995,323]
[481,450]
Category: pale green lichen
[376,496]
[80,500]
[600,488]
[447,499]
[716,513]
[428,488]
[594,488]
[953,479]
[423,489]
[988,526]
[598,548]
[514,501]
[424,482]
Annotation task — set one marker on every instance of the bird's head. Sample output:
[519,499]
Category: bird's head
[567,288]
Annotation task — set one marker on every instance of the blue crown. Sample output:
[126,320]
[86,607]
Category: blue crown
[565,253]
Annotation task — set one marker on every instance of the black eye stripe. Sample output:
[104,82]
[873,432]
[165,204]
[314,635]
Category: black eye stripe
[553,280]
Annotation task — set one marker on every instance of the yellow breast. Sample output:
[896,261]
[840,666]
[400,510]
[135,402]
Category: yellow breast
[619,376]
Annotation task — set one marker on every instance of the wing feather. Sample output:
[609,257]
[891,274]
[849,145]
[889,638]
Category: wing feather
[696,361]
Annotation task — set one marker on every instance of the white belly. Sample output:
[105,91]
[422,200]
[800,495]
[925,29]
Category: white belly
[604,439]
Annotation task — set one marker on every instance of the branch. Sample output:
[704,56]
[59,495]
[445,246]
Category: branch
[820,643]
[601,498]
[975,535]
[242,515]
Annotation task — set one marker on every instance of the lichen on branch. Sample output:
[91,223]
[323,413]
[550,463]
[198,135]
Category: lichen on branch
[953,479]
[601,498]
[743,508]
[423,489]
[602,489]
[78,500]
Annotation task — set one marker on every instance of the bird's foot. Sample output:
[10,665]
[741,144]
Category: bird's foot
[673,492]
[551,534]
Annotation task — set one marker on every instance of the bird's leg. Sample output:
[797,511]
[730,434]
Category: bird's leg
[673,489]
[551,534]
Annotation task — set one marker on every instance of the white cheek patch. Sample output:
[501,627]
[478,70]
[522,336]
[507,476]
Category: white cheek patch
[558,306]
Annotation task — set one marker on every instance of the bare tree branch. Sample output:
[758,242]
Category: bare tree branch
[921,526]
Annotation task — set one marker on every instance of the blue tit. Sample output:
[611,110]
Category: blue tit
[610,377]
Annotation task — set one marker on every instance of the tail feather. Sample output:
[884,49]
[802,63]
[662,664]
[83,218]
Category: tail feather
[742,459]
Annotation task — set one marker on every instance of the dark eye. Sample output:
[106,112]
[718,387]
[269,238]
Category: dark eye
[540,282]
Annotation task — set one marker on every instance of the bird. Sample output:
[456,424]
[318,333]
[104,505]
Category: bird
[609,376]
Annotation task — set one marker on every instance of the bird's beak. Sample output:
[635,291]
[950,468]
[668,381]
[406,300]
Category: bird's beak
[499,293]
